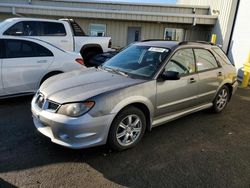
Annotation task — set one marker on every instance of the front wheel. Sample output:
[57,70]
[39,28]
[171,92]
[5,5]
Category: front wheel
[221,99]
[127,129]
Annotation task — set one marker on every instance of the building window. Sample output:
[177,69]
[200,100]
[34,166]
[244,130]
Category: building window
[98,30]
[174,34]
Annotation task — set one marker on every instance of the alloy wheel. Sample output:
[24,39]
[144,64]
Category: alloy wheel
[222,99]
[129,130]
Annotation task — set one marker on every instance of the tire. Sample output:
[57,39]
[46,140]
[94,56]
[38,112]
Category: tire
[221,99]
[125,133]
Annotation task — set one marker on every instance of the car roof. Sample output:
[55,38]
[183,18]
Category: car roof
[174,44]
[158,43]
[30,19]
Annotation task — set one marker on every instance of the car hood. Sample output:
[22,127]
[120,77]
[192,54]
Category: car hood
[83,84]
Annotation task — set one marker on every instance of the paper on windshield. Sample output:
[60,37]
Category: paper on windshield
[156,49]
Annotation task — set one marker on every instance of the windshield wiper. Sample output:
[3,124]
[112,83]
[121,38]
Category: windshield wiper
[117,71]
[120,72]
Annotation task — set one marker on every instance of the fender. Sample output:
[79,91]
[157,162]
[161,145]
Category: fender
[226,81]
[135,99]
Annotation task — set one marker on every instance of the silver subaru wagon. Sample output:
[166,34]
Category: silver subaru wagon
[147,84]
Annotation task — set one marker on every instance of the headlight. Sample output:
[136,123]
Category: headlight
[75,109]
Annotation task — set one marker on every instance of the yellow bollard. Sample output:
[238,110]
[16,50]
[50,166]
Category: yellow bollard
[213,38]
[246,70]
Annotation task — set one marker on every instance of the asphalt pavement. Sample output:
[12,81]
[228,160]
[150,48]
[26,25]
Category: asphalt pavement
[199,150]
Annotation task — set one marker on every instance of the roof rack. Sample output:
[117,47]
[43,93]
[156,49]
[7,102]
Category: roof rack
[201,42]
[147,40]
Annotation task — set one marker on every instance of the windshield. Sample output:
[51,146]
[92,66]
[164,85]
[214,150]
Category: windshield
[3,24]
[136,60]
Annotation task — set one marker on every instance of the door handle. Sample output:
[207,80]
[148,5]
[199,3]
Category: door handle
[219,74]
[192,80]
[42,61]
[64,41]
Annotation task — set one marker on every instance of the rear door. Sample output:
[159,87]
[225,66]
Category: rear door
[23,65]
[1,81]
[210,75]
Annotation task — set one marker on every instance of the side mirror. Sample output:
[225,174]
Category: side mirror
[170,75]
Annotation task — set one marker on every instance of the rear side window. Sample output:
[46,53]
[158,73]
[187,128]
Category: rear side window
[221,55]
[21,48]
[42,51]
[205,60]
[52,29]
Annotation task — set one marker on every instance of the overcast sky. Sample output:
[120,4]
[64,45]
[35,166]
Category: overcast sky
[144,1]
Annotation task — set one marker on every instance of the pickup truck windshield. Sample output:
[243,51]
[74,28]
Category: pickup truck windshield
[136,60]
[2,24]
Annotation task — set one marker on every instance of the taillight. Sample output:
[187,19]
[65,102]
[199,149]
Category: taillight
[110,43]
[80,61]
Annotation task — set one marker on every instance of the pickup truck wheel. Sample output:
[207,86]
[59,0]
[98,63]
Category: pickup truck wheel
[127,129]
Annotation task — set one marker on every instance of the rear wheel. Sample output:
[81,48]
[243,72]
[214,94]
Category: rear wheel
[221,100]
[127,129]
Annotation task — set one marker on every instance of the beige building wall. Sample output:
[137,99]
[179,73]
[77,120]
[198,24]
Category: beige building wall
[225,9]
[149,30]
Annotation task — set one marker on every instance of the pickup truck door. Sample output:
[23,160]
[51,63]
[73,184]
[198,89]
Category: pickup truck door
[23,66]
[58,34]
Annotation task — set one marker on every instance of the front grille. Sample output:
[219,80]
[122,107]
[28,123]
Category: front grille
[46,104]
[52,106]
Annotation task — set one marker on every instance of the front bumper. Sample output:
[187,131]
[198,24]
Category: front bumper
[82,132]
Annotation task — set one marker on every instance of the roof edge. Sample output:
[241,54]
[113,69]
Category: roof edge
[134,3]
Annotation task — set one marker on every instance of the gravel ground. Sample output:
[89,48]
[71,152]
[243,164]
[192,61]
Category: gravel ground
[199,150]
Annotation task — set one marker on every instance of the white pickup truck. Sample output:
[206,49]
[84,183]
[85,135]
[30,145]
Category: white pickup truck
[64,33]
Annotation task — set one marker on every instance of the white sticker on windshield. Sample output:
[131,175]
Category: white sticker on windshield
[155,49]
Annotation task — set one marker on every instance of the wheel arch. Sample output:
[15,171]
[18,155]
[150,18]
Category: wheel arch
[49,74]
[87,47]
[144,105]
[230,87]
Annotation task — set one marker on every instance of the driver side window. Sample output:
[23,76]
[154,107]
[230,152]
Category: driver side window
[182,62]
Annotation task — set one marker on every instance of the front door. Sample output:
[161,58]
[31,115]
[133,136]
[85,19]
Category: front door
[134,34]
[177,95]
[23,65]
